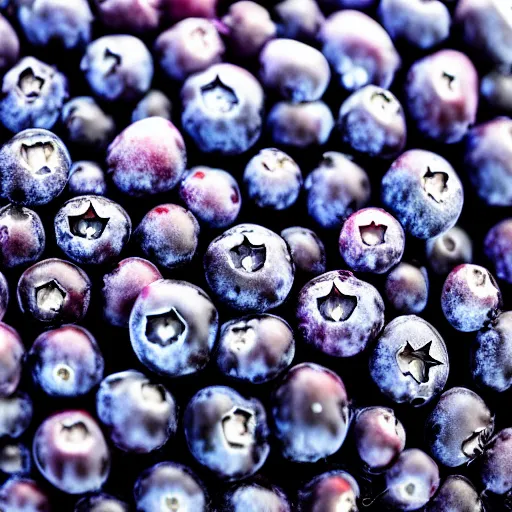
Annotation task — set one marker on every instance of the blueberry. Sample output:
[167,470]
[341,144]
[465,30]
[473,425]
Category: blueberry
[71,453]
[416,23]
[491,360]
[296,71]
[486,27]
[495,463]
[179,10]
[409,363]
[300,125]
[339,314]
[4,296]
[379,437]
[22,494]
[12,355]
[15,414]
[22,236]
[456,494]
[448,250]
[173,326]
[212,195]
[422,190]
[100,502]
[442,95]
[131,16]
[87,125]
[118,67]
[498,248]
[411,481]
[254,497]
[122,285]
[87,178]
[359,50]
[407,288]
[147,158]
[371,121]
[487,161]
[335,189]
[154,103]
[346,4]
[249,27]
[273,179]
[255,348]
[54,291]
[92,229]
[311,413]
[495,89]
[33,94]
[459,427]
[172,486]
[329,492]
[249,268]
[222,109]
[168,235]
[140,415]
[299,19]
[35,165]
[470,297]
[226,432]
[15,460]
[56,21]
[9,45]
[307,250]
[371,240]
[66,361]
[190,46]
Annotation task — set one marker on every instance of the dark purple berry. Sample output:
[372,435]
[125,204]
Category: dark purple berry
[299,19]
[12,355]
[456,494]
[253,496]
[307,250]
[495,463]
[154,104]
[15,460]
[16,413]
[496,90]
[22,494]
[4,295]
[498,248]
[100,502]
[132,16]
[9,45]
[448,250]
[407,288]
[87,178]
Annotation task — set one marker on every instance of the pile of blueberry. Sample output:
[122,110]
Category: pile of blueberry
[255,256]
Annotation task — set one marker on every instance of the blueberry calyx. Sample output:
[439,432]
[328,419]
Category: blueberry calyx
[36,156]
[165,328]
[50,296]
[434,184]
[113,61]
[217,96]
[373,234]
[88,225]
[248,256]
[153,392]
[416,363]
[336,306]
[449,79]
[30,84]
[75,432]
[238,427]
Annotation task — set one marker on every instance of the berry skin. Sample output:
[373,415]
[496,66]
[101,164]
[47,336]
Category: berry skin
[129,16]
[456,494]
[212,195]
[33,94]
[139,414]
[35,166]
[118,68]
[335,189]
[495,89]
[147,157]
[307,250]
[249,268]
[296,71]
[100,502]
[92,229]
[311,413]
[22,494]
[299,19]
[272,179]
[339,314]
[372,121]
[448,250]
[442,95]
[226,432]
[15,415]
[459,427]
[66,361]
[411,481]
[190,46]
[487,161]
[409,363]
[495,463]
[491,358]
[255,348]
[371,240]
[168,235]
[12,355]
[470,297]
[422,190]
[122,285]
[173,327]
[300,125]
[4,296]
[172,485]
[71,453]
[154,104]
[407,288]
[330,492]
[222,109]
[9,45]
[254,497]
[359,50]
[54,291]
[379,437]
[498,248]
[87,178]
[15,460]
[22,236]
